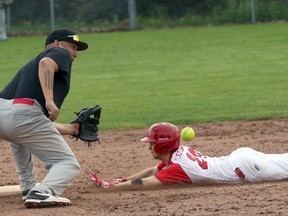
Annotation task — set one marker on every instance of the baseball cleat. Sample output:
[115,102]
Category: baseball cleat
[25,194]
[36,199]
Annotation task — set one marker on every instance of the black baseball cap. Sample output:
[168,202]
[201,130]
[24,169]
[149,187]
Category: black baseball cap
[66,35]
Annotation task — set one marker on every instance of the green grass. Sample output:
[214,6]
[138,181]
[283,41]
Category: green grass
[185,75]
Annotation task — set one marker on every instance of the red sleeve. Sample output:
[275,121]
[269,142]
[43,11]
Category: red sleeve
[172,174]
[161,166]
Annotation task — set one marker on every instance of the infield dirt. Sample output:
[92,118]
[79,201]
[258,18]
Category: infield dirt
[122,154]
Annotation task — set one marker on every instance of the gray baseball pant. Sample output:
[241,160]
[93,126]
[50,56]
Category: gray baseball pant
[31,132]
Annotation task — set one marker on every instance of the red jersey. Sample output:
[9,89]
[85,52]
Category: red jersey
[188,165]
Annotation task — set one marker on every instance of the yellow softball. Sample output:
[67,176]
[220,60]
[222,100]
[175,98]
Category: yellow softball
[187,133]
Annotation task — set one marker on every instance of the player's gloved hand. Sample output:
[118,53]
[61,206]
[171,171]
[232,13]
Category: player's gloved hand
[88,121]
[95,178]
[106,183]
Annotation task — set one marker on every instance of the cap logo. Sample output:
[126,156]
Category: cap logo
[73,37]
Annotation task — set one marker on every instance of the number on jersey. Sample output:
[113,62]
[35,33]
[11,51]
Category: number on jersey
[197,157]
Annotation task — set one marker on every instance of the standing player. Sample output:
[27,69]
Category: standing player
[181,164]
[28,106]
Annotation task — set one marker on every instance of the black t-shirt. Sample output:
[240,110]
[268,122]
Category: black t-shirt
[26,84]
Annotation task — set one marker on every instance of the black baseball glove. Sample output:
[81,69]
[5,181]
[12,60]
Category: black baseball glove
[88,119]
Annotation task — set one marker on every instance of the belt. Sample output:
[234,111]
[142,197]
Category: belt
[26,101]
[239,173]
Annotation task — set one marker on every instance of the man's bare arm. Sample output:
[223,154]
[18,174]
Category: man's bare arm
[67,129]
[47,69]
[144,173]
[149,182]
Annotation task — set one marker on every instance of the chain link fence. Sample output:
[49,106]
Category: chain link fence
[86,16]
[30,17]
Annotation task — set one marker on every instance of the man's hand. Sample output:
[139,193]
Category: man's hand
[106,183]
[52,109]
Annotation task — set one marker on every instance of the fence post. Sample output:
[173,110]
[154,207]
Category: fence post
[132,14]
[52,14]
[8,19]
[252,12]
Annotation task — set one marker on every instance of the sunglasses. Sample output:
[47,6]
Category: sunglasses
[73,37]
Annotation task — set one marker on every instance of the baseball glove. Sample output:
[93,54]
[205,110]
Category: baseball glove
[88,119]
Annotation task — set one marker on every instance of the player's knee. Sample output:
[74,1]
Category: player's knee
[73,167]
[77,168]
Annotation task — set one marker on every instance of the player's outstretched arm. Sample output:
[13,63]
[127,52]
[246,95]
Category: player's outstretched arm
[142,179]
[145,183]
[144,173]
[67,129]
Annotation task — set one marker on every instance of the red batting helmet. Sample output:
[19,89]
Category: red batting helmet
[165,135]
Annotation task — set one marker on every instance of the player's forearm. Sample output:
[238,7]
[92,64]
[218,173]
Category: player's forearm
[135,182]
[67,129]
[143,174]
[139,183]
[46,78]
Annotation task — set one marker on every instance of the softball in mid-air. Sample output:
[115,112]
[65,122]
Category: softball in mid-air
[187,133]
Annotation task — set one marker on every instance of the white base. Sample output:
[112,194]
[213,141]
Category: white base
[10,189]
